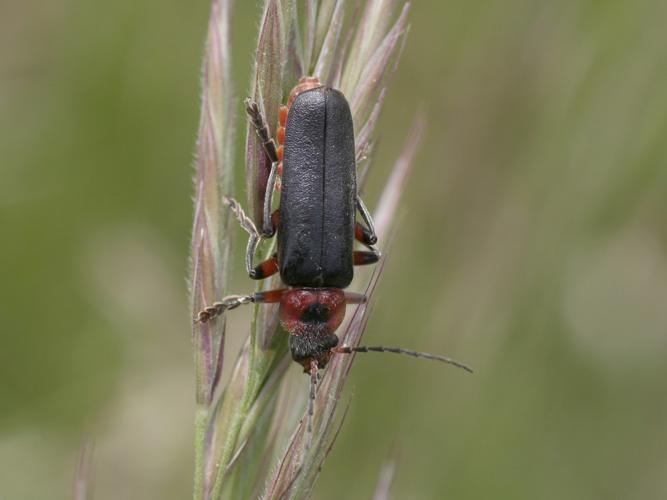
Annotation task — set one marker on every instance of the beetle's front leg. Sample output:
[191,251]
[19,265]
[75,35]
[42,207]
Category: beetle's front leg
[355,298]
[233,301]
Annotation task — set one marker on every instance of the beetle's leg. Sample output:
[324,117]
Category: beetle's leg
[268,227]
[274,155]
[265,269]
[227,303]
[261,129]
[363,235]
[280,137]
[275,221]
[355,298]
[246,222]
[368,238]
[249,226]
[234,301]
[366,215]
[363,258]
[270,266]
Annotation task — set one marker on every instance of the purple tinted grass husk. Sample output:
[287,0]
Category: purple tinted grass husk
[251,434]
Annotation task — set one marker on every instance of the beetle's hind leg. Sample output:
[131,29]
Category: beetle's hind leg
[364,236]
[274,155]
[269,225]
[368,232]
[262,130]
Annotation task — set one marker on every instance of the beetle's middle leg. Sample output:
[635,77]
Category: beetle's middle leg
[364,258]
[265,269]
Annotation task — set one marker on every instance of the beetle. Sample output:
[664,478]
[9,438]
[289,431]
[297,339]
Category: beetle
[315,223]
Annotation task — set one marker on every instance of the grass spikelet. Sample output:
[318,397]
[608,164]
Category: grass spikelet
[211,240]
[251,435]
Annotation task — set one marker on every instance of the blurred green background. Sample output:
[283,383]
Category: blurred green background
[532,245]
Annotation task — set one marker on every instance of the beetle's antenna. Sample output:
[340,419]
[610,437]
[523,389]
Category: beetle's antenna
[400,350]
[314,374]
[311,400]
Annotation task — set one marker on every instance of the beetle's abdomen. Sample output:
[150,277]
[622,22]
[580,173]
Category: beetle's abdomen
[317,202]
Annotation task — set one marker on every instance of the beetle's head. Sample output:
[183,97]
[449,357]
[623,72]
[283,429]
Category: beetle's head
[311,316]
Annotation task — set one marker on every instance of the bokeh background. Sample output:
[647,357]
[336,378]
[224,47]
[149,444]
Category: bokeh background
[532,244]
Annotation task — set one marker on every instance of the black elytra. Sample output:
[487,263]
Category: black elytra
[315,224]
[317,201]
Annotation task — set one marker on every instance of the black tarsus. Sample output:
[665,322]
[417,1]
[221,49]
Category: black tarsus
[262,129]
